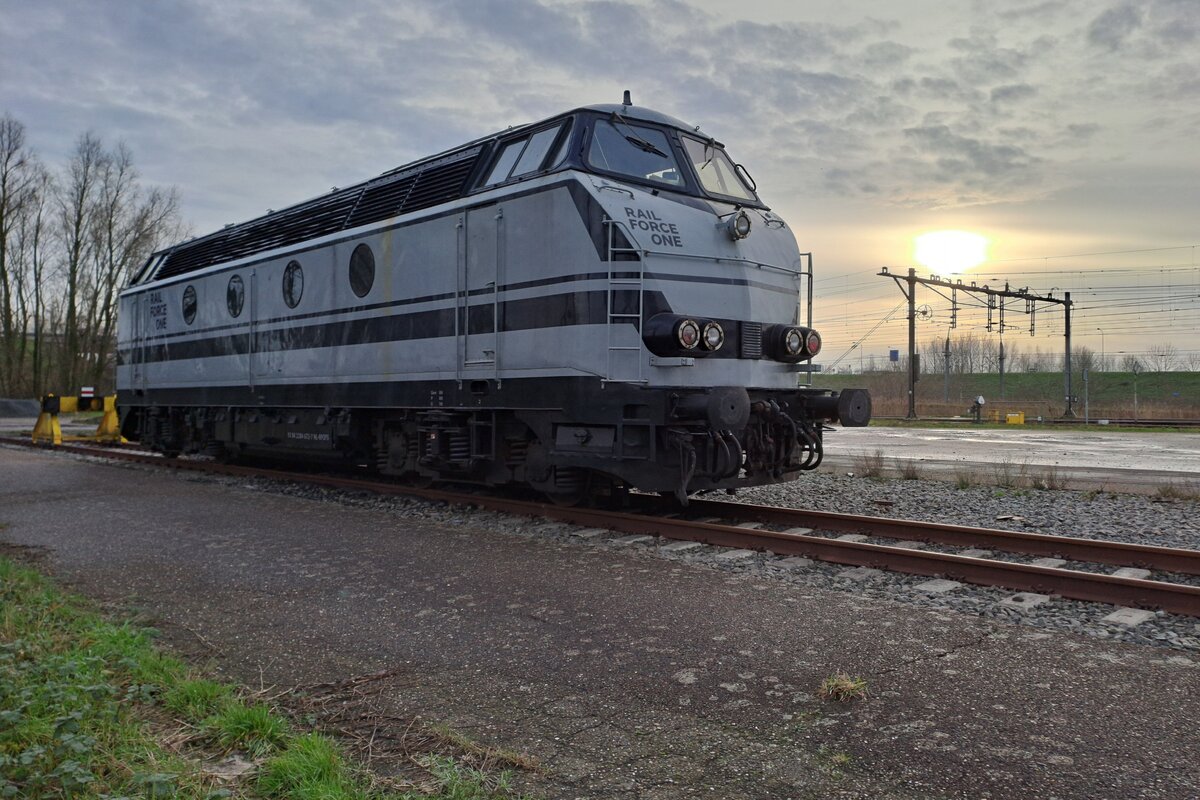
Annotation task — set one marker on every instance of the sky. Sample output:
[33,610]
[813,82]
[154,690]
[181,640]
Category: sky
[1061,130]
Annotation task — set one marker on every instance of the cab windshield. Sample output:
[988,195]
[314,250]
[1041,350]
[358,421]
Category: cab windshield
[642,153]
[717,173]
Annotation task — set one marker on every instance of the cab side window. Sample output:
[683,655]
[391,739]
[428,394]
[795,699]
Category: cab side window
[523,156]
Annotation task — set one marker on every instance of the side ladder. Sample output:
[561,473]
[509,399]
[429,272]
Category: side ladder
[625,363]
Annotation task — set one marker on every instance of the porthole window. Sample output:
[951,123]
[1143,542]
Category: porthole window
[293,284]
[362,270]
[235,295]
[189,305]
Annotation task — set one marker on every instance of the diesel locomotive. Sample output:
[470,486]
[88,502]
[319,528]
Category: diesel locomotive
[585,304]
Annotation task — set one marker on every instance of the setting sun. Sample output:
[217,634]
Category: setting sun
[950,251]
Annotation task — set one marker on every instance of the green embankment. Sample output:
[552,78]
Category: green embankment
[89,708]
[1160,395]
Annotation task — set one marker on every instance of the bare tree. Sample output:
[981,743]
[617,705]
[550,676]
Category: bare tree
[1131,363]
[1082,358]
[32,255]
[66,248]
[1163,357]
[127,224]
[76,205]
[17,180]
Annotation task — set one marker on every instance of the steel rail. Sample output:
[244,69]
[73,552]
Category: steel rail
[1093,587]
[1072,548]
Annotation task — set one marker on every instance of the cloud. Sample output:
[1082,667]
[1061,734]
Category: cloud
[1113,27]
[1174,22]
[1020,133]
[1038,12]
[948,157]
[886,55]
[1082,131]
[259,104]
[985,62]
[881,111]
[1012,93]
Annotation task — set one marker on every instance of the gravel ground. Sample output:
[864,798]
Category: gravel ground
[1118,517]
[1092,514]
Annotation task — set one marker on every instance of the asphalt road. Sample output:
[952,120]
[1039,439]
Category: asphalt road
[1093,457]
[624,674]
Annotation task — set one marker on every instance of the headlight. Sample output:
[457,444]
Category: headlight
[714,336]
[738,225]
[793,342]
[790,343]
[813,343]
[670,335]
[688,334]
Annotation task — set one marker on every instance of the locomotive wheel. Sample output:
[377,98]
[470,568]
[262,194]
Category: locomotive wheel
[571,486]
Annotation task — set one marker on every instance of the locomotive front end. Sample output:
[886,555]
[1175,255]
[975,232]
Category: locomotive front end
[716,281]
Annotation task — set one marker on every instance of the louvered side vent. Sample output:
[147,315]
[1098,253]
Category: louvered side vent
[439,185]
[751,339]
[405,189]
[296,224]
[380,201]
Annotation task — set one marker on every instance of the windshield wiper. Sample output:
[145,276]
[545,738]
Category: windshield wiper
[638,141]
[642,144]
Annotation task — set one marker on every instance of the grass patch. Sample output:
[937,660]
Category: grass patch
[965,478]
[86,708]
[72,697]
[1049,478]
[909,469]
[254,728]
[1175,491]
[843,688]
[869,465]
[460,781]
[310,767]
[833,762]
[1008,474]
[198,698]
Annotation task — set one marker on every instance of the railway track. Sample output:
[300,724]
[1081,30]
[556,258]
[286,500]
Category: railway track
[794,532]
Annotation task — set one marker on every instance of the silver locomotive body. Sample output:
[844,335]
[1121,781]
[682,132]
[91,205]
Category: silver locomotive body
[572,305]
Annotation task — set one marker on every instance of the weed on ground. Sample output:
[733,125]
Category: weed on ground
[1176,491]
[869,465]
[843,688]
[965,478]
[1008,474]
[1049,478]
